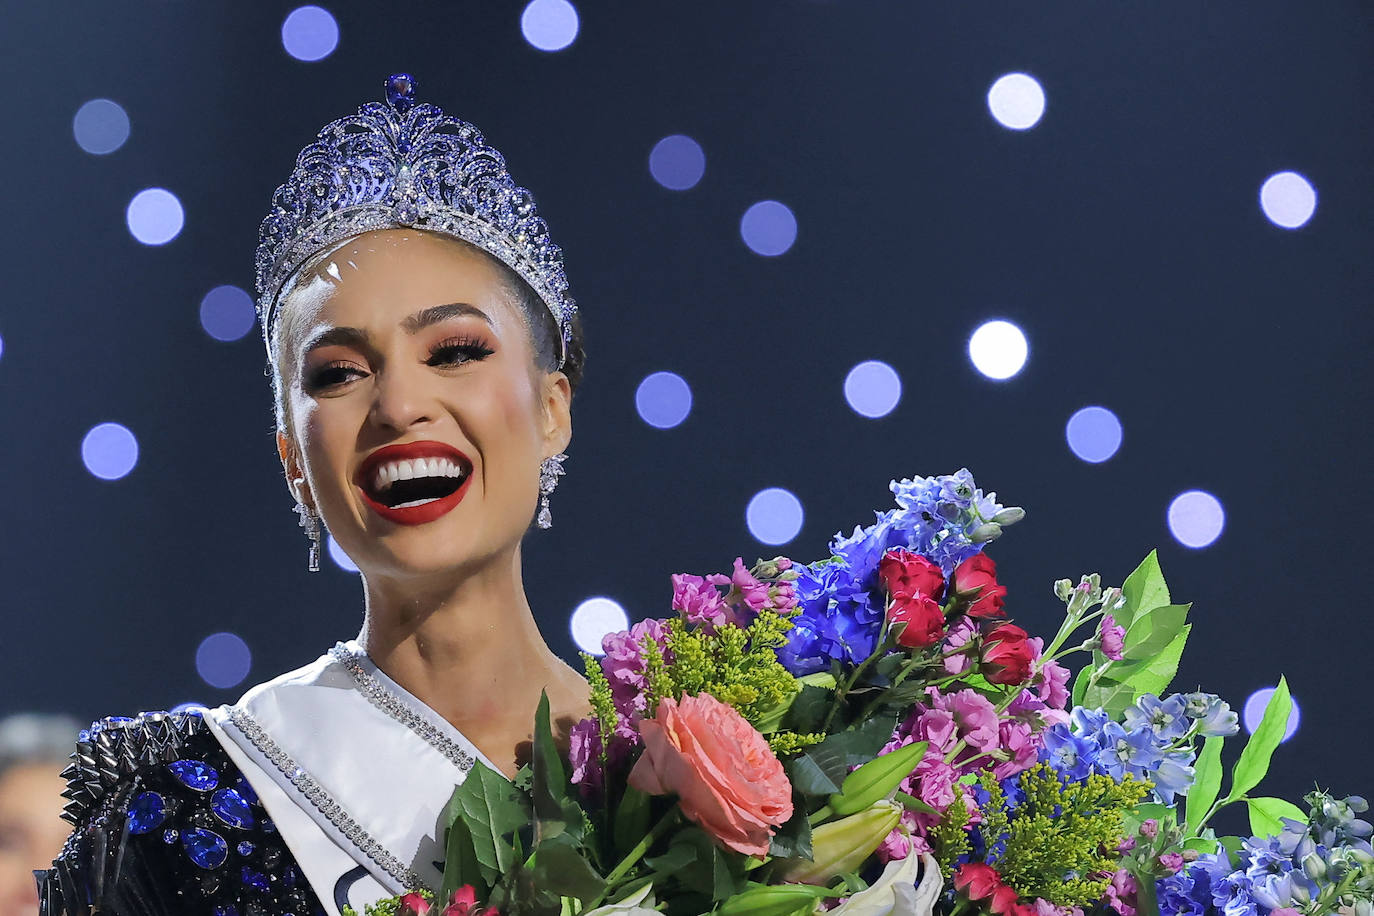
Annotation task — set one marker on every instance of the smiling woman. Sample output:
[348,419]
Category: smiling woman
[424,353]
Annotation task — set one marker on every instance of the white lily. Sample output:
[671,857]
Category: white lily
[896,892]
[640,903]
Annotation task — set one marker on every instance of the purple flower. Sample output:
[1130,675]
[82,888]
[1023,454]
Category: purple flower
[1112,637]
[698,601]
[584,753]
[1127,752]
[1165,718]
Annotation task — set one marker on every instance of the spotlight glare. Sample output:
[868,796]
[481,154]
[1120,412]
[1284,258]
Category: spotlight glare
[226,313]
[677,162]
[109,451]
[663,399]
[593,619]
[1254,713]
[310,33]
[155,216]
[1017,101]
[1196,518]
[223,660]
[1288,199]
[769,228]
[998,349]
[872,389]
[549,25]
[774,516]
[1093,434]
[100,126]
[340,558]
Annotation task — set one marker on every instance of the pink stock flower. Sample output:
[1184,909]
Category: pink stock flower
[1149,828]
[1120,893]
[1113,638]
[584,753]
[975,717]
[698,601]
[623,663]
[1172,862]
[727,778]
[1020,741]
[957,645]
[1051,680]
[745,589]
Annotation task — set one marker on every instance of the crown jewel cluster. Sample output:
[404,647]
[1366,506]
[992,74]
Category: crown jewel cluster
[398,164]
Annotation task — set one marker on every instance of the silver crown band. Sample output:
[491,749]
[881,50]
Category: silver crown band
[398,164]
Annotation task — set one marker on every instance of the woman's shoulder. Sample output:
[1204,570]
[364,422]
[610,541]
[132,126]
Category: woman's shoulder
[164,822]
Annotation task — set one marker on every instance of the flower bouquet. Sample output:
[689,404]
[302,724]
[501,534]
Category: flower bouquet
[870,734]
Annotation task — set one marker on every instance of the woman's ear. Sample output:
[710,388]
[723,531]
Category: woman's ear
[557,412]
[291,466]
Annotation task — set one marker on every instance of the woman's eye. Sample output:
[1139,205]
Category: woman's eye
[458,352]
[334,374]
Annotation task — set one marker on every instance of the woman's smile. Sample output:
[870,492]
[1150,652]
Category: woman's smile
[415,482]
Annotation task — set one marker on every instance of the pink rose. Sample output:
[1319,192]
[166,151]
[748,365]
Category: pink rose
[412,904]
[728,779]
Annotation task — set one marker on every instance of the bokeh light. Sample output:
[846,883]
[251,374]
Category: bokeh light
[872,389]
[109,451]
[549,25]
[340,558]
[310,33]
[768,228]
[1017,101]
[155,216]
[2,346]
[100,126]
[1093,434]
[226,313]
[593,619]
[223,660]
[1288,199]
[677,162]
[1253,713]
[1196,518]
[663,399]
[774,516]
[998,349]
[190,706]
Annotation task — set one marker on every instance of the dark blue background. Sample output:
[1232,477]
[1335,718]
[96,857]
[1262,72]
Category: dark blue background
[1123,233]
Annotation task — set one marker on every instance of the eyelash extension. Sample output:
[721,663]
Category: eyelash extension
[469,349]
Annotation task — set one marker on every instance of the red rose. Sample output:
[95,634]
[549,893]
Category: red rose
[976,578]
[925,621]
[1008,655]
[412,904]
[977,880]
[907,573]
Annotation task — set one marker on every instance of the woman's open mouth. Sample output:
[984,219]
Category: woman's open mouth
[414,483]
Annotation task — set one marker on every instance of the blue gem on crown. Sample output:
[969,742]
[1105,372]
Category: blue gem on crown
[398,164]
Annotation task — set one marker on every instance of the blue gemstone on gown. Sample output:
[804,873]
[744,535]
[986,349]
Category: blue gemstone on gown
[195,774]
[205,847]
[230,807]
[245,848]
[255,879]
[226,909]
[246,791]
[146,812]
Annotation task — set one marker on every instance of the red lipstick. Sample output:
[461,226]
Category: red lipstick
[412,515]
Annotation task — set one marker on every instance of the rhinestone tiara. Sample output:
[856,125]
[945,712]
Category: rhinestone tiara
[399,164]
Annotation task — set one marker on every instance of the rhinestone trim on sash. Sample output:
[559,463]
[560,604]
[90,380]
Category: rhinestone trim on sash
[377,694]
[404,876]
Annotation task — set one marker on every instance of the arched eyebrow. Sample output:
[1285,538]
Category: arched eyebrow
[411,324]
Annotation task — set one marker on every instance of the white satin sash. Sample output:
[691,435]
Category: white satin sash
[391,783]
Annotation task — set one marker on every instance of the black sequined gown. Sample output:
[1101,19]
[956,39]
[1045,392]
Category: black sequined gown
[166,825]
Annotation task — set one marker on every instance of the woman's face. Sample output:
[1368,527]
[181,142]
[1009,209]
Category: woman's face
[31,831]
[403,356]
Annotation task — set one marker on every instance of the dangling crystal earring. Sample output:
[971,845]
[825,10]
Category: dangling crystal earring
[311,523]
[549,471]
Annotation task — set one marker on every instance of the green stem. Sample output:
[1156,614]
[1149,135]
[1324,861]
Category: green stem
[843,691]
[634,855]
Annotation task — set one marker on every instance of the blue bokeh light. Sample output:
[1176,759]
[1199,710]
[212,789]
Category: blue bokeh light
[223,660]
[774,516]
[872,389]
[100,126]
[190,706]
[1253,712]
[1288,200]
[1093,434]
[155,216]
[677,162]
[1196,518]
[226,313]
[341,559]
[663,399]
[1017,101]
[769,228]
[310,33]
[593,619]
[998,349]
[2,346]
[549,25]
[109,451]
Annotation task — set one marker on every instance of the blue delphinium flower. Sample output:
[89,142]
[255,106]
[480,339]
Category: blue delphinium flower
[1073,756]
[1187,893]
[837,618]
[1163,717]
[1215,717]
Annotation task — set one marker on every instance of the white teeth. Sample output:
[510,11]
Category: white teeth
[415,502]
[409,469]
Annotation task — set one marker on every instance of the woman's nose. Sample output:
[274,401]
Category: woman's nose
[403,397]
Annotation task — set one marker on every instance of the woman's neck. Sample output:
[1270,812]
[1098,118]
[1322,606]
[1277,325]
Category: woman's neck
[469,648]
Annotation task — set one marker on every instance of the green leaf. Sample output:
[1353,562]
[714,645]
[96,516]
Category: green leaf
[1080,686]
[876,779]
[460,862]
[489,805]
[793,839]
[1161,814]
[1266,814]
[834,756]
[1143,590]
[1201,844]
[631,820]
[1232,844]
[808,778]
[1153,675]
[1154,630]
[1111,696]
[1206,783]
[1254,759]
[560,868]
[1147,900]
[549,785]
[808,710]
[701,865]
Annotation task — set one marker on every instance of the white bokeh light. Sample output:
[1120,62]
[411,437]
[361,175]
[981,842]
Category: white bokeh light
[310,33]
[1093,434]
[1288,199]
[223,660]
[155,216]
[340,558]
[109,451]
[774,516]
[872,389]
[1196,518]
[998,349]
[1017,101]
[663,399]
[1253,713]
[677,162]
[769,228]
[100,126]
[549,25]
[226,313]
[593,619]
